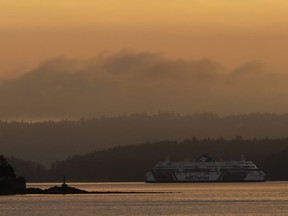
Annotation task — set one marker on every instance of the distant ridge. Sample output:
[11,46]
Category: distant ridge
[48,141]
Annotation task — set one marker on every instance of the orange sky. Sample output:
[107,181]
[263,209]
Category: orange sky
[229,31]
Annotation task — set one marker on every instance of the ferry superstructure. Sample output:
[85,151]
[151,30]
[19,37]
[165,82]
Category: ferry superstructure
[205,169]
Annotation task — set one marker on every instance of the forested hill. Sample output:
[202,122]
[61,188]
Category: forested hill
[130,163]
[48,141]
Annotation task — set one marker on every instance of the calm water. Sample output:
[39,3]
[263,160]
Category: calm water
[269,198]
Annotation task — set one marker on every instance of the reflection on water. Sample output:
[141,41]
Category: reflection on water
[268,198]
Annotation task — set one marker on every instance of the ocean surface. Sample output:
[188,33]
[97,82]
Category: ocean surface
[266,198]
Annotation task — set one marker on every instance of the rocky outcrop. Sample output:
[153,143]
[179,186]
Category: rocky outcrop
[64,189]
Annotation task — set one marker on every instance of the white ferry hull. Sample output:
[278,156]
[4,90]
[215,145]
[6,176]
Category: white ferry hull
[170,177]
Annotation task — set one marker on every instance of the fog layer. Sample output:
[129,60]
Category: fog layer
[128,82]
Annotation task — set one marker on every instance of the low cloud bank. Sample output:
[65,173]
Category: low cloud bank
[129,82]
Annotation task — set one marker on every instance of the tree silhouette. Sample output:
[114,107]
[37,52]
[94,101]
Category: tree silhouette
[6,170]
[9,184]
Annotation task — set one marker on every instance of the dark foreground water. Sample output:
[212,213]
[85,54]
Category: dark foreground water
[269,198]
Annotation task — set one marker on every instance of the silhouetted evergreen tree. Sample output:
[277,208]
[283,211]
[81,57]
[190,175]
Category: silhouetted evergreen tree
[6,171]
[9,184]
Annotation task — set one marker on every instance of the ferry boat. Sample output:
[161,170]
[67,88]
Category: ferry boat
[205,169]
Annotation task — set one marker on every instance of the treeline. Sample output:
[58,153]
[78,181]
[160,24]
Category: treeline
[50,141]
[32,171]
[130,163]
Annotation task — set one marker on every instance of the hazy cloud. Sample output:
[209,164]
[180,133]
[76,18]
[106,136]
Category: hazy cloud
[129,82]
